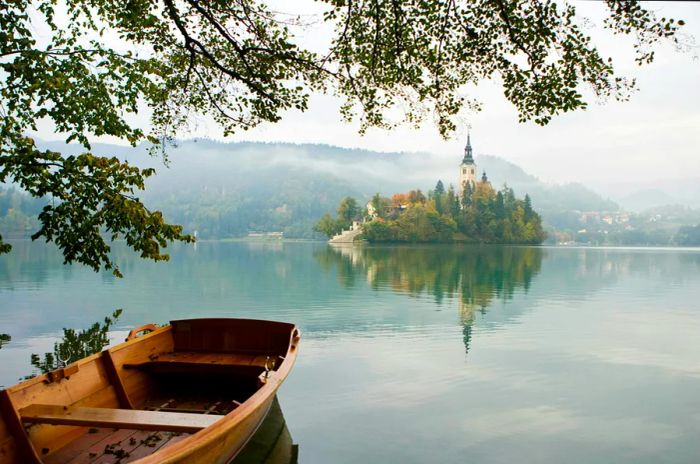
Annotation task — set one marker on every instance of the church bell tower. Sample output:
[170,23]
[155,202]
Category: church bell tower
[467,168]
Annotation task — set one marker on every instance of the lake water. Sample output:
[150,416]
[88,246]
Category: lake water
[424,354]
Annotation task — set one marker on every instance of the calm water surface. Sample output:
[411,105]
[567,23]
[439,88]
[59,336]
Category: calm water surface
[435,354]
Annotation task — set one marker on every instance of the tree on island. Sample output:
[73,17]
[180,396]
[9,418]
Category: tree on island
[89,70]
[489,217]
[348,211]
[328,226]
[439,188]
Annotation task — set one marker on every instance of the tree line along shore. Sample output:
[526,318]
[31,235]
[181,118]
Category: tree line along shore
[480,214]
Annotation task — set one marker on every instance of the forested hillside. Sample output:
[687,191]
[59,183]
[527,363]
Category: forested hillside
[555,202]
[224,190]
[18,213]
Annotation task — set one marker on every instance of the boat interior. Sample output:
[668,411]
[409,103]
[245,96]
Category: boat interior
[140,396]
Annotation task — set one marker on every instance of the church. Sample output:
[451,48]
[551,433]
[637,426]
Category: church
[467,169]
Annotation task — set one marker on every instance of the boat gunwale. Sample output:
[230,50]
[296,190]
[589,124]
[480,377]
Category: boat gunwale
[44,378]
[190,445]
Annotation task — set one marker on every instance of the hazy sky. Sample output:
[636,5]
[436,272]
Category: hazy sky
[654,136]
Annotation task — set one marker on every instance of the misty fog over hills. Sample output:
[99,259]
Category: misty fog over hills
[640,197]
[230,189]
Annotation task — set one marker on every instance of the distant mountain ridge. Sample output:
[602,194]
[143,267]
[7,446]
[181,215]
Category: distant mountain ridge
[229,189]
[547,198]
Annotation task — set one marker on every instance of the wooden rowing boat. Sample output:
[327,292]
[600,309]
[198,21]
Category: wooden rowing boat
[194,391]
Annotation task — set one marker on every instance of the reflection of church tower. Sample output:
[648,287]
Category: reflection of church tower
[467,308]
[466,318]
[467,168]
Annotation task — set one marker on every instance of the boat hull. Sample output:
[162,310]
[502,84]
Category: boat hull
[230,369]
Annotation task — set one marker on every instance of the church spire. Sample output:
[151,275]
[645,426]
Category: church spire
[467,168]
[468,159]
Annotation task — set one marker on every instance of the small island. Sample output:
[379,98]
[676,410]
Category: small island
[476,213]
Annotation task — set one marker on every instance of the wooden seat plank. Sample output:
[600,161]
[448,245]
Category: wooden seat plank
[207,359]
[118,418]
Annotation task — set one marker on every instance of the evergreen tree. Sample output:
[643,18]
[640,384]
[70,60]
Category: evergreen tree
[500,207]
[440,202]
[452,202]
[528,208]
[509,197]
[348,210]
[439,188]
[467,194]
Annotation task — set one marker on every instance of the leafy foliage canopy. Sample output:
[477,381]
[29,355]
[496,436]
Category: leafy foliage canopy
[88,66]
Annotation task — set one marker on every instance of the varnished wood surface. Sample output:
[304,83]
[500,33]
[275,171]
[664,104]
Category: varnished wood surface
[232,336]
[117,418]
[222,441]
[89,386]
[101,385]
[221,359]
[20,449]
[109,446]
[272,443]
[115,379]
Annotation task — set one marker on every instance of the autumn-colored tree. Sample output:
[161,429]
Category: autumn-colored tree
[416,196]
[399,199]
[485,215]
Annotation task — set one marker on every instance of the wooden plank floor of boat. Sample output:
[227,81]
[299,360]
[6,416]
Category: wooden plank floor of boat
[120,445]
[112,446]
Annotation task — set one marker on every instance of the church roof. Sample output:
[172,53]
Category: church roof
[468,159]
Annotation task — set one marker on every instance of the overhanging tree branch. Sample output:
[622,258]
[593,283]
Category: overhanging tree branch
[242,64]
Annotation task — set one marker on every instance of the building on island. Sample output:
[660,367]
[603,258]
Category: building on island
[467,168]
[266,235]
[371,210]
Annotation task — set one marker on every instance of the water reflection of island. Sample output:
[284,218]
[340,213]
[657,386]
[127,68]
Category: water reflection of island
[272,443]
[473,275]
